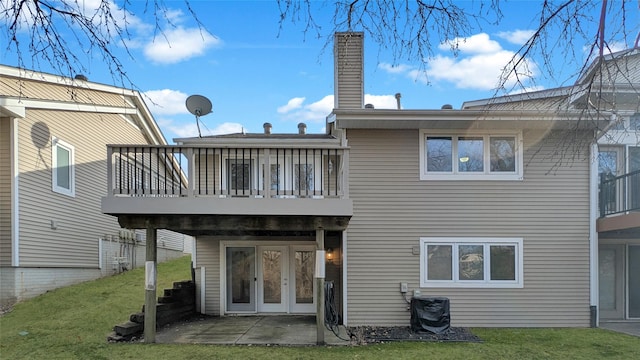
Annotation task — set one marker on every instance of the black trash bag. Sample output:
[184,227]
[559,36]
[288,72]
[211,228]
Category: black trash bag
[430,314]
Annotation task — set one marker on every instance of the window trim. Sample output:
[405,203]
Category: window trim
[71,191]
[486,174]
[487,242]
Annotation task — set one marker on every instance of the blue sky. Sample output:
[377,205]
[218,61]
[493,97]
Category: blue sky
[255,72]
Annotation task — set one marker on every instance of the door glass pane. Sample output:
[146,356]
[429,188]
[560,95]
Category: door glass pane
[634,158]
[471,262]
[502,151]
[240,278]
[470,154]
[608,163]
[439,153]
[304,177]
[304,276]
[634,122]
[239,174]
[439,262]
[503,262]
[275,177]
[607,278]
[634,281]
[272,276]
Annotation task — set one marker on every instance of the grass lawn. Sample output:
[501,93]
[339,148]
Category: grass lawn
[73,323]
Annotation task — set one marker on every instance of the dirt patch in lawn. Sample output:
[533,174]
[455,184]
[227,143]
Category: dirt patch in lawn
[377,334]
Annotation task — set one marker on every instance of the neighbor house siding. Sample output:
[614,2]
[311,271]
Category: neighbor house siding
[5,192]
[549,209]
[208,255]
[79,219]
[32,89]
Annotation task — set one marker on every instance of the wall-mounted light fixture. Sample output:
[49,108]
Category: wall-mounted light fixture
[330,254]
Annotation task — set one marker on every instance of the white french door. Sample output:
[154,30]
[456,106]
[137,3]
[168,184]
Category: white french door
[271,279]
[303,294]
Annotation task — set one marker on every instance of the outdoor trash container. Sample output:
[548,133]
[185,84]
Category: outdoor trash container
[430,314]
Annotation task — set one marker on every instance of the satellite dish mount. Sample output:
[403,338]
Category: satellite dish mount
[198,105]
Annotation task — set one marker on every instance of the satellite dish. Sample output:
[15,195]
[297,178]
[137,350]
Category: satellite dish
[198,105]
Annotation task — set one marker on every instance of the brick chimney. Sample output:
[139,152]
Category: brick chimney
[348,53]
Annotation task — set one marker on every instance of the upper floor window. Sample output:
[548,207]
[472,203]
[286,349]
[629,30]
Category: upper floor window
[480,156]
[63,172]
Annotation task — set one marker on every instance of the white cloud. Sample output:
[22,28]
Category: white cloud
[166,102]
[294,103]
[179,44]
[481,72]
[227,128]
[316,112]
[518,37]
[381,101]
[394,69]
[479,65]
[190,129]
[475,44]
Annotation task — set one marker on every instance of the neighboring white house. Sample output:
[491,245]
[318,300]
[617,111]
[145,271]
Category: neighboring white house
[54,133]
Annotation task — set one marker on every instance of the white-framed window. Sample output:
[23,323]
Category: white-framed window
[471,262]
[470,156]
[63,167]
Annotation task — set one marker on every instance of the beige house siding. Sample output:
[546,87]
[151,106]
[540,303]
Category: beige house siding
[208,256]
[33,89]
[549,209]
[349,77]
[5,192]
[78,219]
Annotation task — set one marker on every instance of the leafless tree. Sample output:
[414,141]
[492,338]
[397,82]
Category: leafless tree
[412,29]
[66,34]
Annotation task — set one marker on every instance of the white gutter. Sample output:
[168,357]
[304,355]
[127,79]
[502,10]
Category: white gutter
[593,234]
[15,203]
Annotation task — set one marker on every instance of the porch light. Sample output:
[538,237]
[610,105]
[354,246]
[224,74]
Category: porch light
[330,254]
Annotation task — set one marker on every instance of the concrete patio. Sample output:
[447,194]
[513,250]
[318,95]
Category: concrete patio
[626,327]
[297,330]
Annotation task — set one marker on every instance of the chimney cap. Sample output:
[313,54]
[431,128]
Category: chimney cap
[267,127]
[302,128]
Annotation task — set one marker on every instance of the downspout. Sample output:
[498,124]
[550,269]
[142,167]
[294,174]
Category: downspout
[593,234]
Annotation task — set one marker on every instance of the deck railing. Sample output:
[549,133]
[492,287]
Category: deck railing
[283,172]
[619,194]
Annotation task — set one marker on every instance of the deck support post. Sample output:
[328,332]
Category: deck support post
[150,285]
[320,285]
